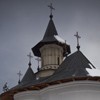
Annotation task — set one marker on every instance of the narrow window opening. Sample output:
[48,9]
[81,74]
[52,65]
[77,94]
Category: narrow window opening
[58,61]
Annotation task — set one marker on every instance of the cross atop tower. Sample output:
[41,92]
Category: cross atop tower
[38,60]
[51,9]
[78,37]
[19,74]
[30,57]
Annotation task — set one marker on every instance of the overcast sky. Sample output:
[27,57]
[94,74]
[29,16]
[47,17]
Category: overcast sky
[23,24]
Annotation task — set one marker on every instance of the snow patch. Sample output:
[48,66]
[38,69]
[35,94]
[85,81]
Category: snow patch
[59,39]
[93,72]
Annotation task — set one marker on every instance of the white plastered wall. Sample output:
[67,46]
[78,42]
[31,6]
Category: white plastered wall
[77,90]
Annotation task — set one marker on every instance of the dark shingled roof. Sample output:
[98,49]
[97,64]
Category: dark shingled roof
[29,76]
[29,79]
[73,66]
[50,32]
[49,38]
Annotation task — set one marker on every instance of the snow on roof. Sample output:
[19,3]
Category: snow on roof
[93,72]
[59,39]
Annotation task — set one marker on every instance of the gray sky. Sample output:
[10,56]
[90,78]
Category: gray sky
[23,24]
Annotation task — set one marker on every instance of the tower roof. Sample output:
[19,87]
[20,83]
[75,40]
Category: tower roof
[50,37]
[50,32]
[29,76]
[73,66]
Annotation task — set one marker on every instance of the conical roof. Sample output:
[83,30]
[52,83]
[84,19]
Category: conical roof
[50,37]
[73,66]
[50,32]
[29,76]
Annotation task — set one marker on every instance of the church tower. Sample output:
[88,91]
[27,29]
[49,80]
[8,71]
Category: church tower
[51,49]
[57,78]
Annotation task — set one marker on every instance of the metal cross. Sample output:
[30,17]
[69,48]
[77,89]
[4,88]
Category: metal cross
[30,56]
[38,60]
[5,87]
[19,74]
[78,37]
[51,8]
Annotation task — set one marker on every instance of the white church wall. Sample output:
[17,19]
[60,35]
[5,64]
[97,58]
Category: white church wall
[84,90]
[29,95]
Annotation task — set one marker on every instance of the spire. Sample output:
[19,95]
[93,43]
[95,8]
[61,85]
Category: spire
[78,37]
[50,31]
[50,36]
[28,77]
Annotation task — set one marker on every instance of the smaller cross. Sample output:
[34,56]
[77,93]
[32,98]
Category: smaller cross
[30,56]
[38,60]
[51,8]
[19,74]
[78,37]
[5,87]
